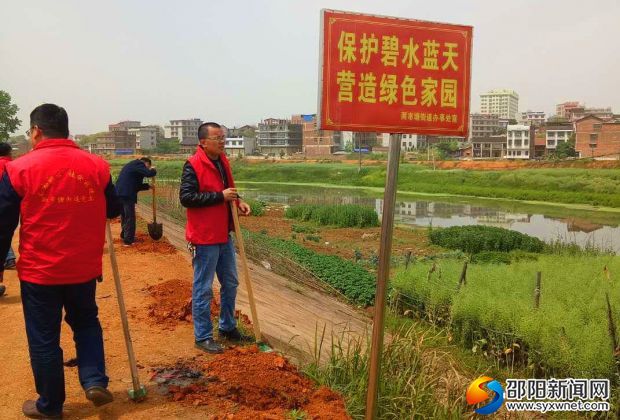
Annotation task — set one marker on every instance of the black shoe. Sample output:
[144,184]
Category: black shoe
[31,411]
[99,396]
[10,264]
[209,345]
[235,335]
[2,289]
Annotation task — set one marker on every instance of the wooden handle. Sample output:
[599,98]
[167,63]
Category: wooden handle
[154,201]
[121,305]
[246,271]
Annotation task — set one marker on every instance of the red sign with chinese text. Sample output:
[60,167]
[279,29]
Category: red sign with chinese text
[394,75]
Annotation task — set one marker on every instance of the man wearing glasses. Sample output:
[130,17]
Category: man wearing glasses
[61,196]
[207,190]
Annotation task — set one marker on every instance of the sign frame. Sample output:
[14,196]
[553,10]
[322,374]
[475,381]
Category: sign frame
[324,121]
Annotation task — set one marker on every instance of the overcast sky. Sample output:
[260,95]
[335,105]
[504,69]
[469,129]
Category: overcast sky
[238,62]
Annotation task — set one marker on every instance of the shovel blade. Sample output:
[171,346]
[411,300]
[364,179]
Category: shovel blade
[156,231]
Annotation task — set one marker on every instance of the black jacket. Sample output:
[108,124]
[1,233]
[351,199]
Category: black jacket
[131,180]
[190,194]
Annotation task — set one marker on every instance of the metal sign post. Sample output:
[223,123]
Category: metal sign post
[383,275]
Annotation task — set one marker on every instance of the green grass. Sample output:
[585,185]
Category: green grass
[567,335]
[412,384]
[597,187]
[341,215]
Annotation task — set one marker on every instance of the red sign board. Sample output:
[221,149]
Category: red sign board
[394,75]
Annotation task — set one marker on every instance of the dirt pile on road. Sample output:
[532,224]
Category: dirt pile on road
[144,244]
[249,384]
[172,304]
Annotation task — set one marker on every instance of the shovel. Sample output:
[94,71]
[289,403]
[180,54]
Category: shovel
[156,230]
[262,346]
[138,392]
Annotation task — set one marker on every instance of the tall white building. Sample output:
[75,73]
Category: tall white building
[184,130]
[501,102]
[520,142]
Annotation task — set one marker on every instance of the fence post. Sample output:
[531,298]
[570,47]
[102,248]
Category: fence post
[615,349]
[407,259]
[463,278]
[537,290]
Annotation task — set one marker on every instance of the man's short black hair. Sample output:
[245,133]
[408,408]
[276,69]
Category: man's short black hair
[146,160]
[203,130]
[51,119]
[5,149]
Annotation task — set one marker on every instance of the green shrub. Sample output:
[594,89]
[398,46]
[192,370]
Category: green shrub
[303,229]
[313,238]
[341,215]
[491,257]
[257,206]
[475,239]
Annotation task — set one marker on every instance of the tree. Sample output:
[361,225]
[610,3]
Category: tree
[8,120]
[168,146]
[446,149]
[566,149]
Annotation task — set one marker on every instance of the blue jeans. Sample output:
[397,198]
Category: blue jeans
[128,221]
[10,255]
[43,315]
[209,260]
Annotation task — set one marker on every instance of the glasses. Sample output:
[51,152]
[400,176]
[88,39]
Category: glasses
[30,130]
[218,138]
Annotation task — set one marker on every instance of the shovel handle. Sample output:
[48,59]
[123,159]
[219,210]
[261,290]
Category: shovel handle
[154,201]
[246,271]
[123,311]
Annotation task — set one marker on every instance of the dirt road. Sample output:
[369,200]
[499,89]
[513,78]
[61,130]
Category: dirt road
[156,345]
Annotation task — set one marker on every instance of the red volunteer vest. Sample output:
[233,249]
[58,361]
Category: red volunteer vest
[3,161]
[209,225]
[63,213]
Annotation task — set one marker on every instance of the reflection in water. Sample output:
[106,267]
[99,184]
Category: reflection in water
[446,214]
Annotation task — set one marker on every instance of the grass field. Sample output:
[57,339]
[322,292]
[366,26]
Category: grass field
[494,312]
[596,187]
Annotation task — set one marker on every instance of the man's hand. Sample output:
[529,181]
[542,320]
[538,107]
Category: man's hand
[230,194]
[244,208]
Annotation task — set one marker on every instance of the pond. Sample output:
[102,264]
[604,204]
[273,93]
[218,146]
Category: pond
[549,223]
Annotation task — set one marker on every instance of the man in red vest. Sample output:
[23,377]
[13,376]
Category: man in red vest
[207,189]
[62,195]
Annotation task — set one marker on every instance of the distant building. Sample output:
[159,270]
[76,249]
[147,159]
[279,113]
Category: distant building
[596,137]
[501,102]
[408,142]
[556,134]
[484,125]
[186,131]
[535,118]
[240,146]
[279,136]
[563,110]
[578,113]
[520,141]
[147,136]
[318,142]
[489,147]
[117,141]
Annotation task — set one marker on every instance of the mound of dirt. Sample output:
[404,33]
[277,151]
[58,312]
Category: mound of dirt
[144,244]
[172,304]
[255,385]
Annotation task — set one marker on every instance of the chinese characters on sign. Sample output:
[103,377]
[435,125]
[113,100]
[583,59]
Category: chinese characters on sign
[394,75]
